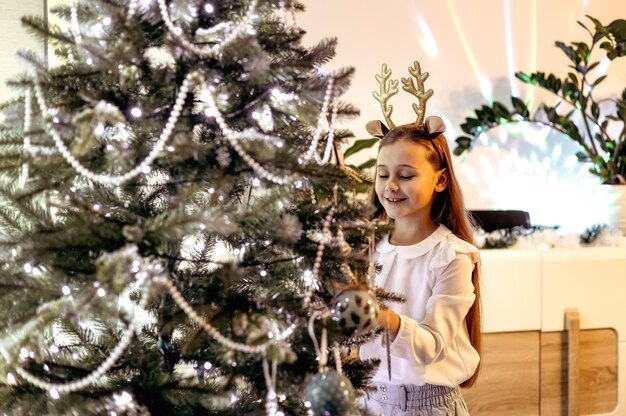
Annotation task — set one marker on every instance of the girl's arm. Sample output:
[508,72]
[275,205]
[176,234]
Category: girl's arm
[428,340]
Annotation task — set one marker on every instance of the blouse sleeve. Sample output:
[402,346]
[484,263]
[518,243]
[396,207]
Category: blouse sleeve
[428,341]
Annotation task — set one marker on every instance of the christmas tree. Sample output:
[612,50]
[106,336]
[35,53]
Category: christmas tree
[176,220]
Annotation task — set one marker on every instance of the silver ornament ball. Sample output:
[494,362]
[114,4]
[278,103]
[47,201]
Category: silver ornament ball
[355,311]
[329,394]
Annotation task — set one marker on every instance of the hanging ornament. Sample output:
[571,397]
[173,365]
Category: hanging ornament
[183,11]
[91,124]
[264,118]
[356,311]
[329,393]
[160,58]
[290,229]
[223,156]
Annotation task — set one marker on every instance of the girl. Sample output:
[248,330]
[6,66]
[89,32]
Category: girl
[434,337]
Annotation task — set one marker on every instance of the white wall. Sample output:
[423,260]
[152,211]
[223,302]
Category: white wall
[14,37]
[471,50]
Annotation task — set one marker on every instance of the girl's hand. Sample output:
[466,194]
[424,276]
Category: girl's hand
[390,321]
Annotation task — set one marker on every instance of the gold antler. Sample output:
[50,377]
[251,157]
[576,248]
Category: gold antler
[422,97]
[387,90]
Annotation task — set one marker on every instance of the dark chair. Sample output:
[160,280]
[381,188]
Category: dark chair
[490,220]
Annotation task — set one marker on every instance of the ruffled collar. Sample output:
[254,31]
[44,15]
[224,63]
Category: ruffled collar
[415,250]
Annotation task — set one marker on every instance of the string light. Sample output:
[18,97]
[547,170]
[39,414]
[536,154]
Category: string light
[240,28]
[208,8]
[144,166]
[212,331]
[56,389]
[328,96]
[318,256]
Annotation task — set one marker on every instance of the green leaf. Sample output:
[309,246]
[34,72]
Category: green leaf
[569,90]
[463,143]
[599,80]
[501,111]
[592,66]
[359,145]
[607,145]
[584,27]
[553,84]
[569,51]
[471,125]
[520,107]
[598,25]
[486,115]
[573,78]
[582,156]
[595,110]
[621,112]
[617,28]
[524,77]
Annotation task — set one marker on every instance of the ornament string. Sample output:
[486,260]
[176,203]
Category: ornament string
[75,27]
[331,134]
[212,331]
[144,166]
[325,237]
[271,404]
[337,356]
[321,348]
[240,28]
[56,389]
[328,97]
[234,137]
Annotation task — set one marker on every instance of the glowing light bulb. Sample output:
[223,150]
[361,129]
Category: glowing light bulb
[123,399]
[208,8]
[11,379]
[136,112]
[54,394]
[66,290]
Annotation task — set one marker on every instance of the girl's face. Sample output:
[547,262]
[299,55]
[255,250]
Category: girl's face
[406,182]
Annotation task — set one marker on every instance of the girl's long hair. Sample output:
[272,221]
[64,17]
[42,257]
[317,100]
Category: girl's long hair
[448,209]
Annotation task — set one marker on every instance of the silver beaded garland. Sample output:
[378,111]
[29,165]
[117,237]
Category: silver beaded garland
[241,28]
[144,166]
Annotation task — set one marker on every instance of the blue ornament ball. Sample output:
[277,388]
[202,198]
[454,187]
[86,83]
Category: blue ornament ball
[356,311]
[329,394]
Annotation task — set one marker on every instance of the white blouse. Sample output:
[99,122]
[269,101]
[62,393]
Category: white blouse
[432,345]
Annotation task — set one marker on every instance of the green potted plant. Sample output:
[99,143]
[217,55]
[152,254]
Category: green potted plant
[605,154]
[579,115]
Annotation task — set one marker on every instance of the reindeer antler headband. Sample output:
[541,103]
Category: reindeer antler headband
[432,126]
